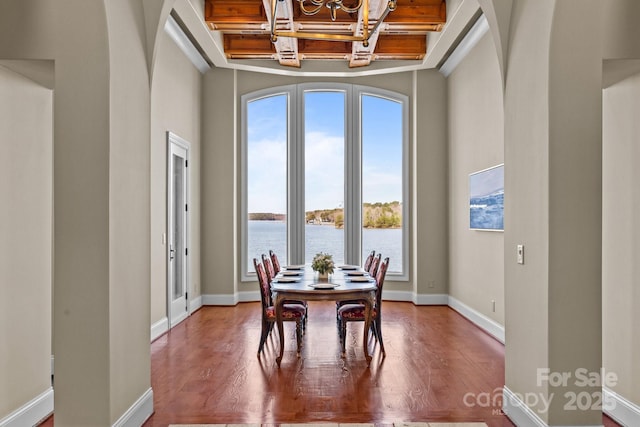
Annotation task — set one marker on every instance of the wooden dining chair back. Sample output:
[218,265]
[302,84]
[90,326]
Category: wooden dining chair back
[290,312]
[268,268]
[275,261]
[375,263]
[368,261]
[369,268]
[356,312]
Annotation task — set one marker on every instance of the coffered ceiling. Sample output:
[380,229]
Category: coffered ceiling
[245,30]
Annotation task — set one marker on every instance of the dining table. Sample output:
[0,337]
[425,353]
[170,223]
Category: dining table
[346,283]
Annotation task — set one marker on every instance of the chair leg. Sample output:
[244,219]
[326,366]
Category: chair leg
[377,325]
[266,328]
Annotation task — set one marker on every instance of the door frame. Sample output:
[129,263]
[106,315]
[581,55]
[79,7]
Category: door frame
[177,141]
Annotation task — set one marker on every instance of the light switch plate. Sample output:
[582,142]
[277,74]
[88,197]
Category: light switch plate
[520,252]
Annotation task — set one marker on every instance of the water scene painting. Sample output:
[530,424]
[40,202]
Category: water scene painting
[486,199]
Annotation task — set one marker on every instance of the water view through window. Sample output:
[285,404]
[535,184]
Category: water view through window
[382,178]
[305,179]
[324,174]
[267,177]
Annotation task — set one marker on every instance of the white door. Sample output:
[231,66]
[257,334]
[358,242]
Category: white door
[177,224]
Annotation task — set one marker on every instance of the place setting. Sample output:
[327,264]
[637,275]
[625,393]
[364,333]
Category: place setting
[362,279]
[291,273]
[356,273]
[321,285]
[286,279]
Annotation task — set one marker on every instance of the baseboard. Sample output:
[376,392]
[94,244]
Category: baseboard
[226,299]
[138,413]
[523,416]
[159,328]
[518,412]
[220,299]
[431,299]
[195,304]
[623,411]
[251,296]
[490,326]
[32,412]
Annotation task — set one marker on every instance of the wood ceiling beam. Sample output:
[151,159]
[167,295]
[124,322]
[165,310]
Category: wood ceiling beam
[245,29]
[221,13]
[286,47]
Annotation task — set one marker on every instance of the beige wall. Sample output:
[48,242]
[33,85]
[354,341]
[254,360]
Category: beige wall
[476,142]
[219,183]
[101,207]
[621,233]
[430,201]
[552,176]
[26,189]
[221,139]
[175,106]
[129,354]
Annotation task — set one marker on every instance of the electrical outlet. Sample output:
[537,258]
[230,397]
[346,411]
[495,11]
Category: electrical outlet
[431,283]
[520,254]
[493,305]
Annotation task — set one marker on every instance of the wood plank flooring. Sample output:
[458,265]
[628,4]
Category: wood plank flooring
[205,370]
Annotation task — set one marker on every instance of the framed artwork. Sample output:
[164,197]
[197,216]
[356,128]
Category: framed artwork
[486,199]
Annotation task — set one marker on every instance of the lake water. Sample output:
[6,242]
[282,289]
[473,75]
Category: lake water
[265,235]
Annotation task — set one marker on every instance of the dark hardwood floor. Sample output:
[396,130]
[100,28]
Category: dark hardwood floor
[205,370]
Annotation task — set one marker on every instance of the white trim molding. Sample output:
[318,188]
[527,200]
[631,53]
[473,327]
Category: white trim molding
[159,328]
[252,296]
[226,299]
[139,412]
[523,416]
[406,296]
[518,412]
[220,299]
[477,31]
[195,304]
[622,410]
[32,412]
[178,36]
[431,299]
[489,325]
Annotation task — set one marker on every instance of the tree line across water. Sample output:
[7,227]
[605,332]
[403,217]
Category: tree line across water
[374,215]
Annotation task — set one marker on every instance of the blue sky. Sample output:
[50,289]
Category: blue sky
[324,151]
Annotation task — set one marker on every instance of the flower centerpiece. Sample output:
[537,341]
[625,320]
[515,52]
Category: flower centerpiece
[323,264]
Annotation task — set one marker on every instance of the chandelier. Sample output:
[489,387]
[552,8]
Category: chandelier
[332,5]
[312,7]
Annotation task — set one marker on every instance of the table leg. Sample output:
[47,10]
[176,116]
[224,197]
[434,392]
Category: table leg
[278,307]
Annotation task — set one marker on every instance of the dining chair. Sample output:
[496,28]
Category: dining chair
[274,261]
[355,312]
[270,269]
[375,263]
[290,312]
[368,263]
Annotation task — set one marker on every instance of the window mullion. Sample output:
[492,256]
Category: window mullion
[353,193]
[296,197]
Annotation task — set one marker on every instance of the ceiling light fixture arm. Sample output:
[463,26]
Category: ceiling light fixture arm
[337,4]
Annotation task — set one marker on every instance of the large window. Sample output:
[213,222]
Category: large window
[325,170]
